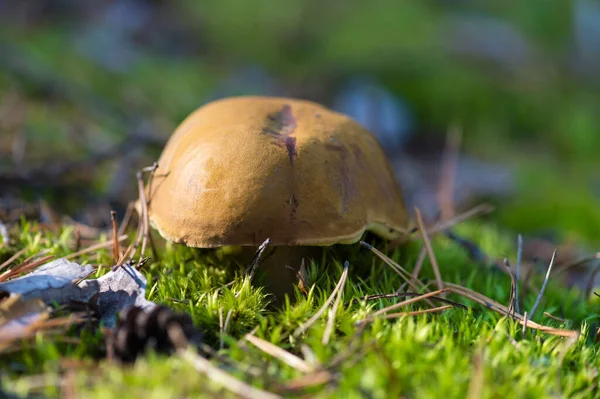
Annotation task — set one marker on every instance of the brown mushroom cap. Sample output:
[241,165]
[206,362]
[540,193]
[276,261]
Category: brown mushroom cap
[240,170]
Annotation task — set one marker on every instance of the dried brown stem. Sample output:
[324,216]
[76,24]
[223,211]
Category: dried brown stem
[427,243]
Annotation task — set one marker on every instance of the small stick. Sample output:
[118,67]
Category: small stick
[115,229]
[316,316]
[524,331]
[519,259]
[541,294]
[434,264]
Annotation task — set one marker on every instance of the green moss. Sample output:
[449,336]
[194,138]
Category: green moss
[422,356]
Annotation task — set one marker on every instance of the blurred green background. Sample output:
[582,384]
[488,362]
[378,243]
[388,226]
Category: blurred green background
[91,90]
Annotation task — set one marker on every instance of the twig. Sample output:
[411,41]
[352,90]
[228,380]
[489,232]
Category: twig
[518,276]
[225,379]
[541,294]
[280,354]
[332,314]
[320,312]
[432,259]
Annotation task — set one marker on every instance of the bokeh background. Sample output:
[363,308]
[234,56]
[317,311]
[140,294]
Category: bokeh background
[91,90]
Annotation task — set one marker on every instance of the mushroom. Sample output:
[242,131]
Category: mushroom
[240,170]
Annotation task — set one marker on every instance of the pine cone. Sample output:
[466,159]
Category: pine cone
[158,328]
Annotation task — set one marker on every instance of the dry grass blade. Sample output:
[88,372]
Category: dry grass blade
[479,210]
[513,287]
[427,243]
[419,265]
[412,294]
[320,312]
[225,379]
[499,308]
[126,219]
[409,301]
[550,316]
[332,313]
[280,354]
[145,219]
[13,258]
[400,314]
[24,267]
[406,276]
[94,247]
[543,289]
